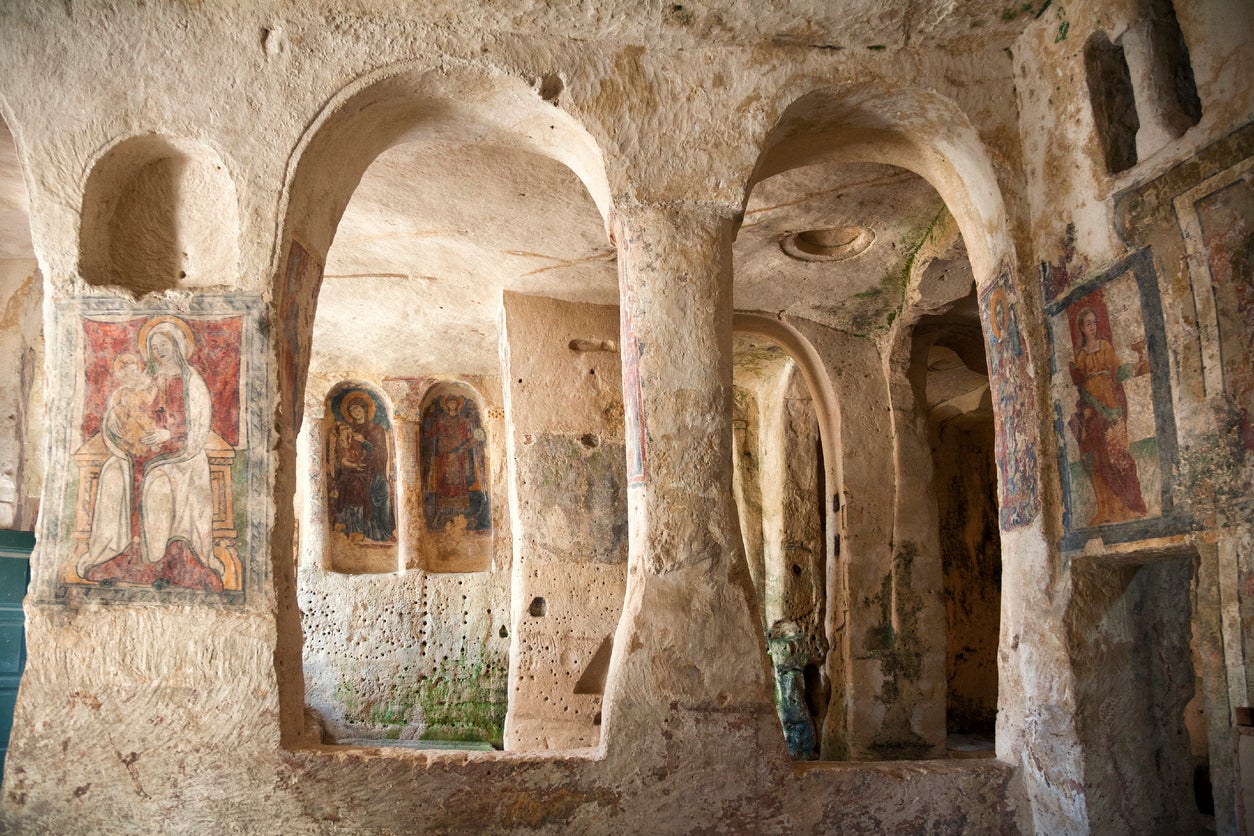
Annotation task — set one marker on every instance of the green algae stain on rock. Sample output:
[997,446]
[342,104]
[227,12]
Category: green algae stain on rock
[896,643]
[464,702]
[458,701]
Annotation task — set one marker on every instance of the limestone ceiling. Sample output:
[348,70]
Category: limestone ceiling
[756,359]
[434,233]
[858,294]
[428,242]
[953,389]
[824,24]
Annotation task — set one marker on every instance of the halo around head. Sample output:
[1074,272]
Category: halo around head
[998,297]
[177,329]
[357,397]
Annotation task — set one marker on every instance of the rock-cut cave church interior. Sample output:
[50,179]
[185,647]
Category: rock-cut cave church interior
[615,417]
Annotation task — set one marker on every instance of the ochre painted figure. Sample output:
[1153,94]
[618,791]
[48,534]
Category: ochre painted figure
[453,472]
[1100,425]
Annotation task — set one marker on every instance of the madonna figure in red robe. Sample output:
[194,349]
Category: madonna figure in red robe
[153,519]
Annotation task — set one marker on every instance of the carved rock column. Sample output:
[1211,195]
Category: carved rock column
[690,667]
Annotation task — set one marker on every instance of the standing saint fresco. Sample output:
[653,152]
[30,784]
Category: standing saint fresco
[454,480]
[359,457]
[152,521]
[1009,375]
[1100,424]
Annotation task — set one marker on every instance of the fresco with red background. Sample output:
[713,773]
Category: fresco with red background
[216,356]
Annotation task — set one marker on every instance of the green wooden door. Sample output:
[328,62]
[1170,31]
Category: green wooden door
[15,549]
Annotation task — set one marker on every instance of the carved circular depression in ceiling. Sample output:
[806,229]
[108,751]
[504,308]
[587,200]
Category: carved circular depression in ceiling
[833,243]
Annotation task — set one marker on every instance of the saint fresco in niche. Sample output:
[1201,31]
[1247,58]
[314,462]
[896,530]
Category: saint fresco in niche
[161,419]
[1112,406]
[360,491]
[454,479]
[1100,421]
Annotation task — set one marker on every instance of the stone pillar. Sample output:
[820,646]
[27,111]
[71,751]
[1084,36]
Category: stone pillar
[568,508]
[690,664]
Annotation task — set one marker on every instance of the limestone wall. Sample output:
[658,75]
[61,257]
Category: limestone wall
[965,484]
[1150,253]
[21,416]
[569,507]
[397,647]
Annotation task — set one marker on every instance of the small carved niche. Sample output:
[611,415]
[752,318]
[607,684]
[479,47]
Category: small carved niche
[454,481]
[360,478]
[160,213]
[1114,106]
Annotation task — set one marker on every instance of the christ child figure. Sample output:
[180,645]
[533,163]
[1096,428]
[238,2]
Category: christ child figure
[129,417]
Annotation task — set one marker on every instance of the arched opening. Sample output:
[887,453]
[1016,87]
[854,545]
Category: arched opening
[853,199]
[1141,86]
[949,371]
[469,281]
[160,213]
[780,485]
[947,496]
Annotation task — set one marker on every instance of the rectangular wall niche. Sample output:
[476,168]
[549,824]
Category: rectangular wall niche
[1134,678]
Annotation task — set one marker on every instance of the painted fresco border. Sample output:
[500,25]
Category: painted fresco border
[1171,520]
[252,537]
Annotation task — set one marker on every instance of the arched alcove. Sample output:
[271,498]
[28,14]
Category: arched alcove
[783,424]
[159,213]
[949,408]
[357,480]
[460,218]
[946,472]
[865,178]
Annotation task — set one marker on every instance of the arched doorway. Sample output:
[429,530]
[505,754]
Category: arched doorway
[851,191]
[470,230]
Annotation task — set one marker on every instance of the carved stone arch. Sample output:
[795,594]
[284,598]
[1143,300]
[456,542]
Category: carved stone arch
[926,133]
[805,573]
[946,485]
[403,104]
